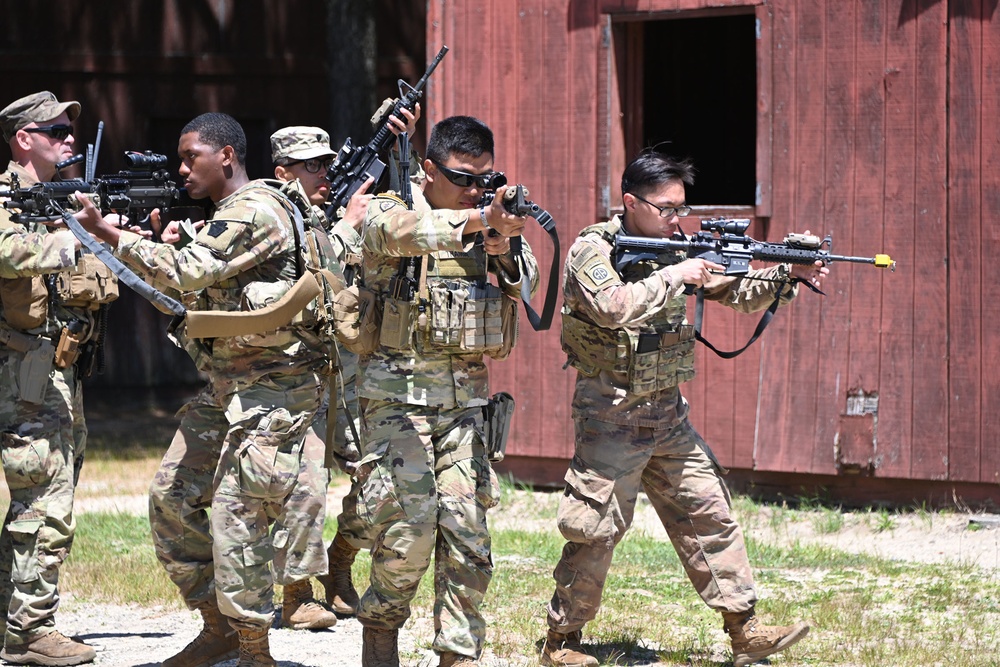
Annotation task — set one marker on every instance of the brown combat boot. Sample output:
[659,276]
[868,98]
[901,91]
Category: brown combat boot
[340,593]
[456,660]
[753,641]
[565,650]
[300,611]
[254,649]
[378,648]
[216,642]
[53,648]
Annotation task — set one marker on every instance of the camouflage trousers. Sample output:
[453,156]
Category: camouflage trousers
[305,511]
[43,447]
[238,454]
[425,487]
[683,481]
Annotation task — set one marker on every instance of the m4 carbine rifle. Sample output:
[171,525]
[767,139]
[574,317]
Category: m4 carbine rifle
[134,192]
[724,241]
[356,164]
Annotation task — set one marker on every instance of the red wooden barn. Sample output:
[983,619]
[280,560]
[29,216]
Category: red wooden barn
[874,121]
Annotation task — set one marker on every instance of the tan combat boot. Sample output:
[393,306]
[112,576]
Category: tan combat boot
[254,649]
[300,611]
[379,649]
[565,650]
[53,648]
[216,642]
[340,593]
[753,641]
[456,660]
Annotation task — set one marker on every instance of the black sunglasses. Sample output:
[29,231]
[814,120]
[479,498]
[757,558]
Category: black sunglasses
[489,181]
[59,132]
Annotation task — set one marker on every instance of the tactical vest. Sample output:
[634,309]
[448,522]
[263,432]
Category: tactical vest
[455,311]
[657,357]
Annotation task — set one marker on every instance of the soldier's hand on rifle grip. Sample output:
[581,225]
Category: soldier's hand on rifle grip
[499,219]
[695,272]
[357,205]
[90,219]
[811,273]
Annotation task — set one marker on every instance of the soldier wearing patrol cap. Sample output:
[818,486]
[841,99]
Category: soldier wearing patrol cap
[303,153]
[49,325]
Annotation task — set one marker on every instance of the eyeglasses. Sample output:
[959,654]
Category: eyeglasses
[59,132]
[313,165]
[491,180]
[666,211]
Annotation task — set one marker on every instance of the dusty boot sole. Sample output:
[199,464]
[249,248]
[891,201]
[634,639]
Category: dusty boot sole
[313,625]
[800,630]
[32,658]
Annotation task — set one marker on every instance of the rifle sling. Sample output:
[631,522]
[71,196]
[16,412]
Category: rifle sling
[765,319]
[543,322]
[125,274]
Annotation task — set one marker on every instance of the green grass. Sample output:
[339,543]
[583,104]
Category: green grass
[864,611]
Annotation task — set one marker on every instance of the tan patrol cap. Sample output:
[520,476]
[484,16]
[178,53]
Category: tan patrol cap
[299,142]
[34,108]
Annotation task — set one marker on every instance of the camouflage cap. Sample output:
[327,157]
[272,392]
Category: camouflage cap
[299,143]
[34,108]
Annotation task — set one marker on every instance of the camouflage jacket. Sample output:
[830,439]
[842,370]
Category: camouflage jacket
[647,299]
[27,252]
[243,258]
[391,233]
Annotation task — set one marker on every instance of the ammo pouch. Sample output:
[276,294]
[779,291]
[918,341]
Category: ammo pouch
[464,317]
[356,318]
[652,361]
[396,332]
[87,285]
[25,302]
[498,413]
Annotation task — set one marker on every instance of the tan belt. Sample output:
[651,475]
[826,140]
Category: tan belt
[225,324]
[16,340]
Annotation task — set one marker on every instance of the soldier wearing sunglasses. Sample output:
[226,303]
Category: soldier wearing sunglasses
[41,402]
[424,389]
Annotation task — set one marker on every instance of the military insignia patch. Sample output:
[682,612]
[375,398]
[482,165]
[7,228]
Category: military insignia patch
[217,228]
[386,204]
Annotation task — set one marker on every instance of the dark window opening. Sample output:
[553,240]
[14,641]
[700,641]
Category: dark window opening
[700,92]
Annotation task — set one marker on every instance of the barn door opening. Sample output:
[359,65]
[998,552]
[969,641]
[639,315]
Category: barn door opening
[697,83]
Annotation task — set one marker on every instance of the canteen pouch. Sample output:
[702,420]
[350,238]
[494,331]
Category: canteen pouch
[33,376]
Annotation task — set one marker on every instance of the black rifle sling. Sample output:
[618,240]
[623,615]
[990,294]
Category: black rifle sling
[765,319]
[124,273]
[543,322]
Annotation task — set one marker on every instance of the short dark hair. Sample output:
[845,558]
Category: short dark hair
[651,169]
[219,130]
[459,135]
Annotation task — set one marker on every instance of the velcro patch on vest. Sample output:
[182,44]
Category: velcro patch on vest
[217,229]
[592,269]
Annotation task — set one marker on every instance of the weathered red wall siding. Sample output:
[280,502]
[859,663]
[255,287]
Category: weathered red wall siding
[882,132]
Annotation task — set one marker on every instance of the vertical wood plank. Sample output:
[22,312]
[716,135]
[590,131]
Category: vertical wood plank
[965,237]
[929,258]
[894,425]
[990,206]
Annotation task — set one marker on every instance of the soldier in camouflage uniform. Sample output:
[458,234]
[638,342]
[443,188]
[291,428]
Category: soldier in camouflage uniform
[41,401]
[239,446]
[632,429]
[303,153]
[426,482]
